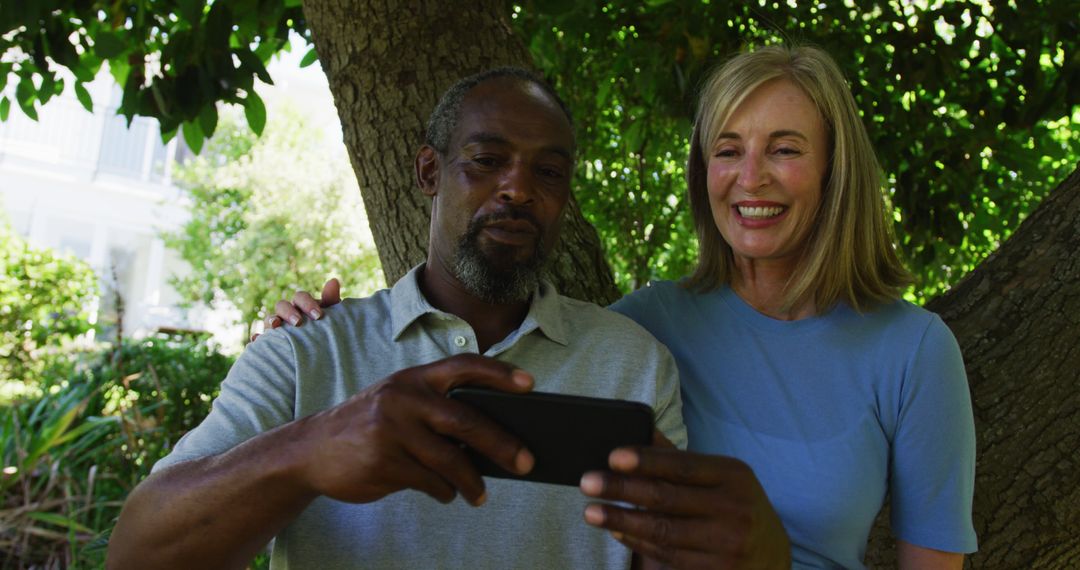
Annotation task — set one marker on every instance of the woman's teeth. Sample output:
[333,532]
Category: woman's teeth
[760,211]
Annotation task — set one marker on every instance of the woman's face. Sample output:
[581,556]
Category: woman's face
[765,173]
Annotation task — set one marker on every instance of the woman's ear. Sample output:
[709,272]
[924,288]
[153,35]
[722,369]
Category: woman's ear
[426,168]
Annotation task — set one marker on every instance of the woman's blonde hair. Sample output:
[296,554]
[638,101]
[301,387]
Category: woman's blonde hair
[850,254]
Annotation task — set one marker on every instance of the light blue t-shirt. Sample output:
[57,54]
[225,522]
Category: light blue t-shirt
[831,412]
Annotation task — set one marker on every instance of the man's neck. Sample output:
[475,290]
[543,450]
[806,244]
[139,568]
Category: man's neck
[492,322]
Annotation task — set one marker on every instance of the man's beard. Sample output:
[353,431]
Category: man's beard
[493,280]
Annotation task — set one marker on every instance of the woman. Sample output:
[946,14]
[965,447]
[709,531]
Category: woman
[796,353]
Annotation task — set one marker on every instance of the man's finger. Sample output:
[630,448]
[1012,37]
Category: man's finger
[472,428]
[660,440]
[331,293]
[286,311]
[412,474]
[676,558]
[664,531]
[679,466]
[652,494]
[445,459]
[475,370]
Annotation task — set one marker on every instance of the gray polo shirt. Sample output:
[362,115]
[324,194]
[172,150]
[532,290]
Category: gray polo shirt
[569,346]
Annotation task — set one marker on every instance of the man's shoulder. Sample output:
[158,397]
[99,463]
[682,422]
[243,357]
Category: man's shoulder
[589,319]
[352,316]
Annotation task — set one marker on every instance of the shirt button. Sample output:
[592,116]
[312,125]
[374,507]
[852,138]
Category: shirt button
[460,341]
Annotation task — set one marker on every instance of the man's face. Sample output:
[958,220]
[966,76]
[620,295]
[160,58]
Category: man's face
[500,190]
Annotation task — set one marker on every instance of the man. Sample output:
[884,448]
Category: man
[335,438]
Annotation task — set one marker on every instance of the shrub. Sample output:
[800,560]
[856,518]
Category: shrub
[43,305]
[72,453]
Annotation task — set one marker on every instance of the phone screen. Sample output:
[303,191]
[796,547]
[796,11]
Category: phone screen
[568,435]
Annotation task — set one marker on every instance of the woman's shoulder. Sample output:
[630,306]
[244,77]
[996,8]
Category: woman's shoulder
[652,297]
[903,323]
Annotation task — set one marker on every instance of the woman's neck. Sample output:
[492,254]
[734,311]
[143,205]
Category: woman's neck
[763,285]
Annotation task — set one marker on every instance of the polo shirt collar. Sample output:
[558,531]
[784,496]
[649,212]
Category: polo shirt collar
[407,304]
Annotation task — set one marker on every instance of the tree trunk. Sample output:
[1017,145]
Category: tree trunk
[387,62]
[1017,318]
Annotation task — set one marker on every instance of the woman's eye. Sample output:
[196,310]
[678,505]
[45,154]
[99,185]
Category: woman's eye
[788,151]
[726,153]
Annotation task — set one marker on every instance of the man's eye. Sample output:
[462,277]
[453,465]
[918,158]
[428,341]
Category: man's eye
[551,173]
[485,161]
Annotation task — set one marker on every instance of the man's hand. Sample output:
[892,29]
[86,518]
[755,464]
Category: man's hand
[403,433]
[694,510]
[220,510]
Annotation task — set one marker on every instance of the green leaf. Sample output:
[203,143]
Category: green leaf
[253,64]
[167,135]
[5,107]
[292,3]
[208,119]
[309,58]
[255,112]
[108,45]
[191,10]
[84,96]
[193,136]
[61,521]
[120,71]
[25,95]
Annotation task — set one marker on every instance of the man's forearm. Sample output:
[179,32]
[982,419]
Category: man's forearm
[214,512]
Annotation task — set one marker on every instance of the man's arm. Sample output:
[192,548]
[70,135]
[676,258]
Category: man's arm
[692,510]
[218,511]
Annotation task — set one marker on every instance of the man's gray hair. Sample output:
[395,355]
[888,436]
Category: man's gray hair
[444,118]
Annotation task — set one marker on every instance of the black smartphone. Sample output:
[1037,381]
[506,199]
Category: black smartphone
[568,435]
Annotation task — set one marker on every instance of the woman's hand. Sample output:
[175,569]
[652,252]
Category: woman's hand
[302,304]
[687,510]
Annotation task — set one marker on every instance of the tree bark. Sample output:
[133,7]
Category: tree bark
[387,62]
[1017,319]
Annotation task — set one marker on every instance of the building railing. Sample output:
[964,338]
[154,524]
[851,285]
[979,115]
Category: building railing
[79,143]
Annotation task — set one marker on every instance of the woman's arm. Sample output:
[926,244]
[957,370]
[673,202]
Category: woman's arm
[912,557]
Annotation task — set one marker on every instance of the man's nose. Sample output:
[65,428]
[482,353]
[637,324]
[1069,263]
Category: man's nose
[516,185]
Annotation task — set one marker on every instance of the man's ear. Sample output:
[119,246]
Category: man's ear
[426,167]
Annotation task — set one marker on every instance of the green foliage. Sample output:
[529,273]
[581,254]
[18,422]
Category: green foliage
[973,105]
[973,108]
[43,305]
[174,58]
[49,478]
[259,230]
[633,124]
[73,452]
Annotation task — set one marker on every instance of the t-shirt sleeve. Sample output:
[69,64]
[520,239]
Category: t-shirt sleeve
[635,306]
[933,453]
[669,418]
[257,395]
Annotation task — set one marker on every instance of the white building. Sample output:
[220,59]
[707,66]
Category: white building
[87,184]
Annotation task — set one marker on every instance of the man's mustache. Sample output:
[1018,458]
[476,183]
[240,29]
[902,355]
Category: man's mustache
[478,224]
